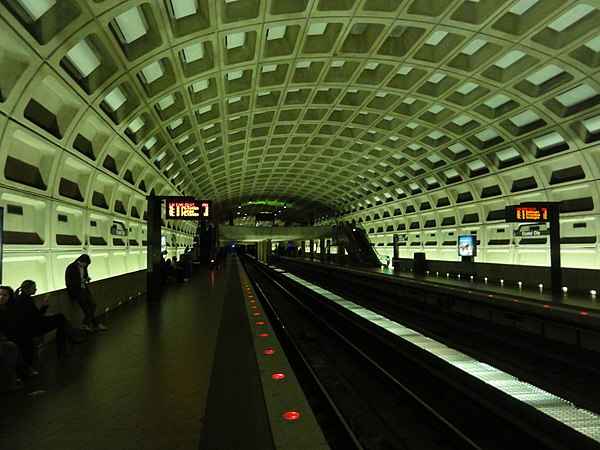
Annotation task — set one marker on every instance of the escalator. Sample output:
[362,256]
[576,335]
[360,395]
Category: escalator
[357,244]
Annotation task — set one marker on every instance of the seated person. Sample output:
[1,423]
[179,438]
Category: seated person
[176,269]
[36,323]
[12,328]
[9,355]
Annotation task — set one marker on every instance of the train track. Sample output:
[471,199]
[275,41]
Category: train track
[570,372]
[372,390]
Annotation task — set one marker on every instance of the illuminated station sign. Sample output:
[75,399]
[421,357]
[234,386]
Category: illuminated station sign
[528,213]
[188,209]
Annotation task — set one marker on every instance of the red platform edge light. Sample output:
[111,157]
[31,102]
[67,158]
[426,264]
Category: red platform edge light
[278,376]
[260,323]
[291,415]
[583,313]
[269,352]
[263,334]
[256,314]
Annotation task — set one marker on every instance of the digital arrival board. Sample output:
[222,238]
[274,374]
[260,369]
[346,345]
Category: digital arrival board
[539,212]
[536,212]
[187,209]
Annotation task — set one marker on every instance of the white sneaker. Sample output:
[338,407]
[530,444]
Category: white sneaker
[100,327]
[84,327]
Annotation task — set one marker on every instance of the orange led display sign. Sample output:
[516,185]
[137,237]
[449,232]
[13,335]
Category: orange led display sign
[528,213]
[188,209]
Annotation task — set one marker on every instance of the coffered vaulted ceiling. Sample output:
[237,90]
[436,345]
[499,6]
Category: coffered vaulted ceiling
[328,105]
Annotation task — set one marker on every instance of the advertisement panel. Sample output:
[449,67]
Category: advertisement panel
[467,245]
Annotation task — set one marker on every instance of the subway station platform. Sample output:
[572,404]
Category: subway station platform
[202,369]
[543,296]
[576,302]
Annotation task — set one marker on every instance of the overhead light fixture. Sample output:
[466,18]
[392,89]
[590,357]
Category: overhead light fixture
[317,29]
[36,8]
[152,72]
[115,99]
[166,102]
[150,143]
[183,8]
[510,59]
[131,25]
[200,86]
[571,17]
[521,7]
[436,38]
[205,109]
[176,123]
[579,94]
[235,40]
[268,68]
[473,47]
[193,52]
[136,124]
[274,33]
[83,58]
[237,74]
[592,125]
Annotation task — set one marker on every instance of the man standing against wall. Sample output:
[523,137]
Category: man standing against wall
[77,279]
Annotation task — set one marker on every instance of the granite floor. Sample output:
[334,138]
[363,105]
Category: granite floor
[144,383]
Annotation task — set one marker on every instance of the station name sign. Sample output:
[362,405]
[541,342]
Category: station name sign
[534,212]
[530,233]
[187,209]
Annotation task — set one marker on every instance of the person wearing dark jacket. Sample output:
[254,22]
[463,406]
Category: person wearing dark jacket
[9,356]
[11,327]
[77,279]
[36,323]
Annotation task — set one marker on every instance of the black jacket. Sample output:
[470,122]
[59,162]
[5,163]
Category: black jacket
[28,310]
[10,322]
[73,278]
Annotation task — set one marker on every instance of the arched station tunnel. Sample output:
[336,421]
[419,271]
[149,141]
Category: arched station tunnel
[414,117]
[416,121]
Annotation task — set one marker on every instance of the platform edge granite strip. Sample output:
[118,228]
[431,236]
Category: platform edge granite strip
[284,396]
[235,415]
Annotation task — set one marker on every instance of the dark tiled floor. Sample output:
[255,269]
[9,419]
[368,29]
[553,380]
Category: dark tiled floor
[142,384]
